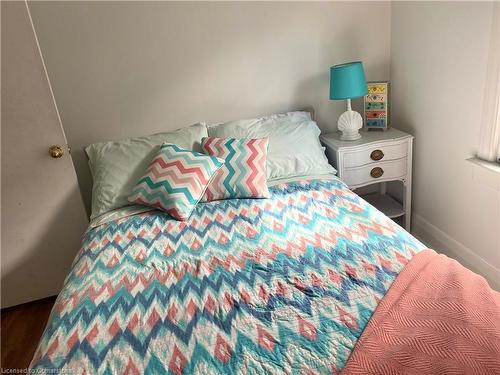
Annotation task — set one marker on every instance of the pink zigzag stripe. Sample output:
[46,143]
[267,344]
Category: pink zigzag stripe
[207,145]
[178,179]
[219,147]
[215,183]
[182,168]
[254,179]
[215,146]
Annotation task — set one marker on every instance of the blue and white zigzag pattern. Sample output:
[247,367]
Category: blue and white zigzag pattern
[279,285]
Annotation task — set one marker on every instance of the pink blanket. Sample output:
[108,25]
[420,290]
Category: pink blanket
[437,318]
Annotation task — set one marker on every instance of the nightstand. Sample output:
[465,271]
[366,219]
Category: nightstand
[379,157]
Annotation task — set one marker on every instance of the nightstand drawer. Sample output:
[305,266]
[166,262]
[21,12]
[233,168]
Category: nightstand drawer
[379,171]
[375,154]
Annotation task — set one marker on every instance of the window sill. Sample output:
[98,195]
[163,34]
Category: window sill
[486,172]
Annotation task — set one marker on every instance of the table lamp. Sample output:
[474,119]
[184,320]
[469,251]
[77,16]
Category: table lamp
[348,81]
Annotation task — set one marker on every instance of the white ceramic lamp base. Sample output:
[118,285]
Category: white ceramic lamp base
[349,124]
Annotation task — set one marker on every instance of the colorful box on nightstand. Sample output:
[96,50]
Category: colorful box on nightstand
[377,106]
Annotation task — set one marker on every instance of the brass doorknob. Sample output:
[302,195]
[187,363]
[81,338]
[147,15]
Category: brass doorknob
[56,151]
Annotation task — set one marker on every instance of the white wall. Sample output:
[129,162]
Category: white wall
[439,53]
[121,69]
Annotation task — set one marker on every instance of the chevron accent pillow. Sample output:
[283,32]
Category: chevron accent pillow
[243,174]
[176,180]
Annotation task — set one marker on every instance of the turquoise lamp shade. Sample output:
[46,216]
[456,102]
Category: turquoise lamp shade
[347,81]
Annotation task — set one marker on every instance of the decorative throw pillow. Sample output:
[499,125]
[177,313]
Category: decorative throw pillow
[175,180]
[243,174]
[294,146]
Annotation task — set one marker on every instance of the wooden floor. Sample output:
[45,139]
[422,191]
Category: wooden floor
[22,327]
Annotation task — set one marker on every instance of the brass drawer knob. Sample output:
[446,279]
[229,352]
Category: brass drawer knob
[376,172]
[376,155]
[56,151]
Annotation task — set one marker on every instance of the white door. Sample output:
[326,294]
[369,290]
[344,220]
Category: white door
[43,217]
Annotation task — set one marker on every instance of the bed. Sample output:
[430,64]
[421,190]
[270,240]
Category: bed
[245,286]
[283,285]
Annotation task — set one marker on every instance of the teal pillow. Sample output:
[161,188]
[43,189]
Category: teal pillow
[117,166]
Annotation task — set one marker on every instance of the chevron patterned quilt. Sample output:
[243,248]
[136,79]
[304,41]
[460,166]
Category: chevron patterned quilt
[283,285]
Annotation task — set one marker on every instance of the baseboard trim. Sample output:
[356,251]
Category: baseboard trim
[438,240]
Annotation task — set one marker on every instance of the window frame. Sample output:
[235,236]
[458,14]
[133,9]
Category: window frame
[489,143]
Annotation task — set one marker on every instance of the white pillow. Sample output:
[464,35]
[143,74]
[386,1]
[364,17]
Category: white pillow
[294,146]
[117,166]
